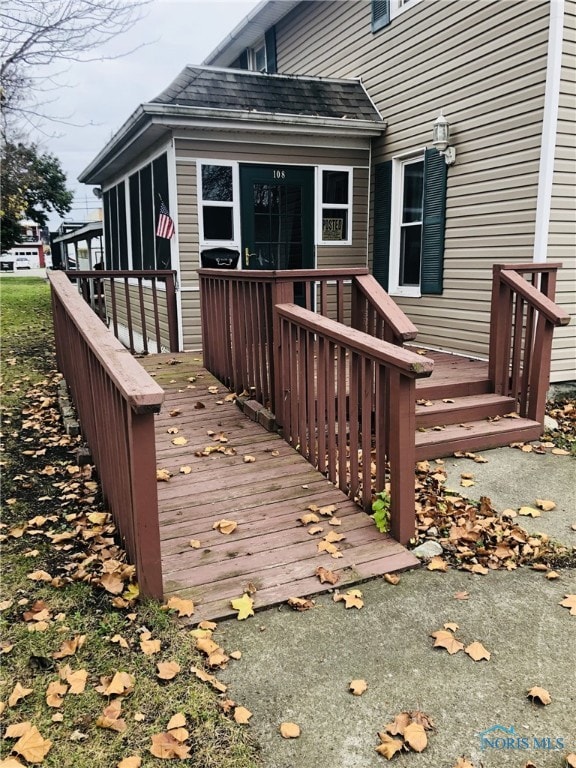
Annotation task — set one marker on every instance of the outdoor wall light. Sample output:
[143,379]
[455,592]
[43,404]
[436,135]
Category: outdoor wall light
[441,139]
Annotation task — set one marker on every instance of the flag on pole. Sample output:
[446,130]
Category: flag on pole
[165,226]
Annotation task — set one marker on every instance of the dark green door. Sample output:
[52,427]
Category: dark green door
[277,215]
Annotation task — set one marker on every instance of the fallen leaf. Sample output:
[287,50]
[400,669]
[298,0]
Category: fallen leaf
[327,511]
[463,762]
[391,578]
[15,730]
[55,693]
[300,604]
[352,598]
[206,677]
[180,441]
[120,683]
[314,529]
[110,718]
[560,452]
[463,595]
[163,475]
[477,651]
[539,694]
[529,512]
[165,746]
[327,546]
[569,602]
[167,670]
[150,647]
[249,459]
[333,536]
[183,607]
[194,543]
[570,760]
[242,715]
[199,405]
[289,730]
[133,761]
[244,605]
[415,737]
[445,639]
[389,746]
[326,576]
[185,470]
[310,517]
[437,564]
[452,626]
[32,746]
[235,655]
[18,693]
[225,526]
[176,721]
[357,687]
[112,583]
[180,734]
[546,505]
[551,575]
[122,642]
[39,576]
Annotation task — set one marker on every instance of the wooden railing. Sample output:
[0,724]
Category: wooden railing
[139,306]
[348,405]
[522,321]
[240,331]
[116,401]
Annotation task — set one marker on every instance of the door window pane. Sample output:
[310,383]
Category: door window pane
[217,223]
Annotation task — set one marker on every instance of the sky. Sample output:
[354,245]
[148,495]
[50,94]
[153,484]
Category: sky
[100,96]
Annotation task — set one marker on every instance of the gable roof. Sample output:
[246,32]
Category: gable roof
[248,91]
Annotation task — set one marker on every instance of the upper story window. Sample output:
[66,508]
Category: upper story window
[257,57]
[261,56]
[407,212]
[383,11]
[335,218]
[218,204]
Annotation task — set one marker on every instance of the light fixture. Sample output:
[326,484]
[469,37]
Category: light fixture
[441,139]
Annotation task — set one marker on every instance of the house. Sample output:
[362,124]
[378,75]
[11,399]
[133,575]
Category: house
[306,140]
[29,252]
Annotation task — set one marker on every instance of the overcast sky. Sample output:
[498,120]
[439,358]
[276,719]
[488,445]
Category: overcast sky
[101,95]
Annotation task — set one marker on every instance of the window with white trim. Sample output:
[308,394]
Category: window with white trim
[406,225]
[335,219]
[218,202]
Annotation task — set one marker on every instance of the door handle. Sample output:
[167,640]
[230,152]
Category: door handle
[247,255]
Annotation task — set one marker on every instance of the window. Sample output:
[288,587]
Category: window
[147,188]
[114,200]
[335,219]
[218,210]
[383,11]
[409,223]
[258,57]
[261,57]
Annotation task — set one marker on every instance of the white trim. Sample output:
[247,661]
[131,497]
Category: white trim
[398,163]
[549,128]
[398,7]
[318,190]
[234,205]
[175,239]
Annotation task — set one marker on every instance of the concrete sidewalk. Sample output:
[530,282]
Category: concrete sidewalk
[297,666]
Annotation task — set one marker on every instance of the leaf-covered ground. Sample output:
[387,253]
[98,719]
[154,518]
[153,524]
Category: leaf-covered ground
[91,676]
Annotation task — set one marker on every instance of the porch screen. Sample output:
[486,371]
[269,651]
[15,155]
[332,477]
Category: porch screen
[147,188]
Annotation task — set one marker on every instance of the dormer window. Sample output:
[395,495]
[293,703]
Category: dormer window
[257,57]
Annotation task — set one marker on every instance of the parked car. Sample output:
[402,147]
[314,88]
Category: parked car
[23,262]
[6,262]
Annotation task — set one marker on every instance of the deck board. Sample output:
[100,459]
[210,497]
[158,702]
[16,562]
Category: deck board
[270,549]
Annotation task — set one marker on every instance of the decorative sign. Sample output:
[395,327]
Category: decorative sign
[332,229]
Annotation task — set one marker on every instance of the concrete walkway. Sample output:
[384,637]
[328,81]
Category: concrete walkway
[297,666]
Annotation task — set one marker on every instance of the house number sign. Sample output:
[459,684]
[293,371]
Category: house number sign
[279,174]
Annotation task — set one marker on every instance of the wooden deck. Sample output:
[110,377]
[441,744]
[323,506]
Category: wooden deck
[270,550]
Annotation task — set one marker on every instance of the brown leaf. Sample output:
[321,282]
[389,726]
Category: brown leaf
[18,693]
[55,693]
[352,598]
[150,647]
[327,511]
[133,761]
[110,718]
[165,746]
[179,441]
[242,715]
[477,651]
[333,536]
[16,730]
[300,604]
[167,670]
[208,678]
[539,694]
[570,760]
[183,607]
[119,684]
[326,576]
[176,721]
[225,526]
[392,578]
[463,595]
[529,512]
[545,504]
[463,762]
[415,737]
[331,549]
[309,517]
[199,405]
[249,459]
[357,687]
[180,734]
[569,602]
[32,746]
[452,626]
[315,529]
[163,475]
[445,639]
[185,470]
[112,583]
[399,724]
[289,730]
[39,576]
[437,564]
[389,746]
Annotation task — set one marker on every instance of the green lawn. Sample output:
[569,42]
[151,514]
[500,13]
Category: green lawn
[56,530]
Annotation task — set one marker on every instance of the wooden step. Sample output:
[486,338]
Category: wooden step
[433,388]
[474,436]
[471,408]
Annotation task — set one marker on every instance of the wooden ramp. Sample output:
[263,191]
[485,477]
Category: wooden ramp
[270,550]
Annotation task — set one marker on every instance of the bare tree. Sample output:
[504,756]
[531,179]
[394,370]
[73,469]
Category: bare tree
[38,35]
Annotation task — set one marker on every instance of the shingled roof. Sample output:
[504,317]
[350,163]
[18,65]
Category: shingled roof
[246,91]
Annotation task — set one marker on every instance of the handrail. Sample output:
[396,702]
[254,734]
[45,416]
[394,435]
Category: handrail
[386,308]
[404,361]
[116,400]
[551,311]
[283,275]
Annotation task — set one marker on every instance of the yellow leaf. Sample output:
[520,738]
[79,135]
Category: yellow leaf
[244,605]
[39,576]
[415,737]
[225,526]
[163,475]
[132,592]
[539,694]
[77,680]
[133,761]
[149,647]
[185,470]
[18,692]
[309,517]
[314,529]
[249,459]
[467,483]
[529,512]
[195,543]
[176,721]
[207,645]
[119,684]
[357,687]
[389,746]
[289,730]
[179,441]
[477,651]
[16,730]
[32,746]
[332,537]
[98,518]
[546,505]
[328,510]
[167,670]
[242,715]
[183,607]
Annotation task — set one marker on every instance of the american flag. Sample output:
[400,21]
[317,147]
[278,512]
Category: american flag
[165,226]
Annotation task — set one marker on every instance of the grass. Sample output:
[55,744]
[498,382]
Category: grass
[40,480]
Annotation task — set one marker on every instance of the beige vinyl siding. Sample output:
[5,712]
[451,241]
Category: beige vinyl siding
[267,150]
[562,230]
[141,326]
[484,65]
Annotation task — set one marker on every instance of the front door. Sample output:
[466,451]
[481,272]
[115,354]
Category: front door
[277,216]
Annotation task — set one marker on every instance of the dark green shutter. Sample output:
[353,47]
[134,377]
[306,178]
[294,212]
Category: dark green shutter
[434,222]
[380,14]
[241,62]
[382,218]
[270,41]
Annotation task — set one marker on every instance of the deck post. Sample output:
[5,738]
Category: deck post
[172,313]
[282,293]
[402,456]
